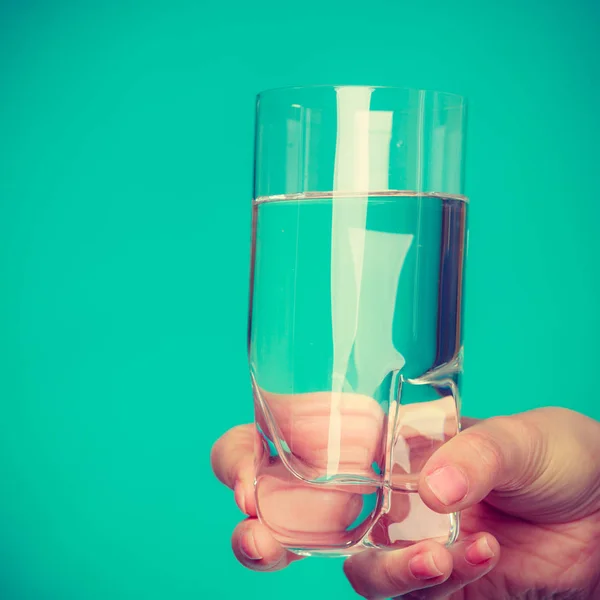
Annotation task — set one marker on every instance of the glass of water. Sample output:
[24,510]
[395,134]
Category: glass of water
[355,343]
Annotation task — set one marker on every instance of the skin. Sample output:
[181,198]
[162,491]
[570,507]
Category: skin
[527,485]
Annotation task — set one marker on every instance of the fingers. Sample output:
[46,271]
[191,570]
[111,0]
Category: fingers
[409,520]
[302,512]
[541,465]
[303,424]
[421,429]
[493,454]
[256,548]
[472,558]
[427,569]
[379,575]
[232,459]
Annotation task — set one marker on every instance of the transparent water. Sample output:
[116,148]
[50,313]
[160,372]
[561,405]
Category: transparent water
[355,351]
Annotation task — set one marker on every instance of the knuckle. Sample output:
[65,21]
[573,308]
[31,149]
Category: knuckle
[355,579]
[520,444]
[214,453]
[239,432]
[486,448]
[391,574]
[223,456]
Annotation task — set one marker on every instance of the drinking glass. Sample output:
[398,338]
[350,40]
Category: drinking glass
[355,344]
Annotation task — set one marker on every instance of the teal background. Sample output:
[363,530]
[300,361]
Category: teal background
[125,180]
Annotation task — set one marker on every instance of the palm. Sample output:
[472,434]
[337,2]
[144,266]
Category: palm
[542,558]
[544,473]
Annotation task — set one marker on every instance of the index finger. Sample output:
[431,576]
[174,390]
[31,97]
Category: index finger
[232,458]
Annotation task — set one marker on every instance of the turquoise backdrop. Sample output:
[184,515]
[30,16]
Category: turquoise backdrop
[125,181]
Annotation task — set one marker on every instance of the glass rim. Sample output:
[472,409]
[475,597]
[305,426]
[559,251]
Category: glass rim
[458,98]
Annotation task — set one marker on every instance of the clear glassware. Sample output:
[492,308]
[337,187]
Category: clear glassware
[355,344]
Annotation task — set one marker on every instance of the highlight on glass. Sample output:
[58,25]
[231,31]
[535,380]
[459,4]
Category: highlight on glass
[355,324]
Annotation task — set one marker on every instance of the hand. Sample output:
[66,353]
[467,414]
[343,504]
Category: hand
[530,496]
[341,514]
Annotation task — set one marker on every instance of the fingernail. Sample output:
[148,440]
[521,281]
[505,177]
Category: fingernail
[448,484]
[248,547]
[240,499]
[422,566]
[478,552]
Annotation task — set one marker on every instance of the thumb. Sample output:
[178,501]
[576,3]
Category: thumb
[542,465]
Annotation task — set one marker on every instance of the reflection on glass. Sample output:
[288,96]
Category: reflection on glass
[355,321]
